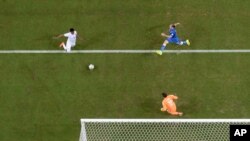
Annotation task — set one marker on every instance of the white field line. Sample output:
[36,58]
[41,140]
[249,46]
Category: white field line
[169,120]
[122,51]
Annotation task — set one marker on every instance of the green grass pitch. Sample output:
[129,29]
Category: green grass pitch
[43,96]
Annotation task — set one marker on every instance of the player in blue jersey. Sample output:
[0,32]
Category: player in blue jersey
[172,38]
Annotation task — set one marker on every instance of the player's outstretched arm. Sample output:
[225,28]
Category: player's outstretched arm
[173,25]
[59,36]
[177,24]
[173,96]
[164,35]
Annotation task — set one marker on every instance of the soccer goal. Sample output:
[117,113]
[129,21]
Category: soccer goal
[158,129]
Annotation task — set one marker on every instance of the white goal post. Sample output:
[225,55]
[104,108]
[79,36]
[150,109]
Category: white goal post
[158,129]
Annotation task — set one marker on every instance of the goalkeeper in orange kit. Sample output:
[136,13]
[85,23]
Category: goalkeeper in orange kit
[168,104]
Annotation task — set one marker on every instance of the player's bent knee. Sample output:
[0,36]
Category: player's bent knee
[165,43]
[163,109]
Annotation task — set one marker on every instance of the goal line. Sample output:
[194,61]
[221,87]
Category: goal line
[122,51]
[165,120]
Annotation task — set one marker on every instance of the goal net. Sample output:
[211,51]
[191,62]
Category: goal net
[158,129]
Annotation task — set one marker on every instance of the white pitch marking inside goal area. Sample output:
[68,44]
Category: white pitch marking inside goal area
[122,51]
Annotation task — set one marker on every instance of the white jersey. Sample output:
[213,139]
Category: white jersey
[71,38]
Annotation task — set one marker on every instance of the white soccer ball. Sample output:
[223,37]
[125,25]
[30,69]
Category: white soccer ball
[91,66]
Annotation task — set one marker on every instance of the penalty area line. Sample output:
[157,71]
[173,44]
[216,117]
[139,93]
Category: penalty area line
[121,51]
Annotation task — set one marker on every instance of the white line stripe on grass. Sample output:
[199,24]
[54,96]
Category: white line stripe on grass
[122,51]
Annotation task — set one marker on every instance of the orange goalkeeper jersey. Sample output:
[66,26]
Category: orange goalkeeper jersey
[169,103]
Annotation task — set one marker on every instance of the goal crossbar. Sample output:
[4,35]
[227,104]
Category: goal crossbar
[165,120]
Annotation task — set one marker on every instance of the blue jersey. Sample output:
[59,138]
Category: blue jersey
[173,36]
[172,33]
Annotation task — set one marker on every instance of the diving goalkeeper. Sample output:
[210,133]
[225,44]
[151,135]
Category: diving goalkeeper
[168,104]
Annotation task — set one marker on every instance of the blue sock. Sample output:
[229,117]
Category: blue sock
[163,47]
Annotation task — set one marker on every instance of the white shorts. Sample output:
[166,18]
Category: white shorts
[68,46]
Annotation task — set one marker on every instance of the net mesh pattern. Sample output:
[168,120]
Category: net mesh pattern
[157,131]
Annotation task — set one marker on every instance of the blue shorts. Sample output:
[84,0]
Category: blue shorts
[173,40]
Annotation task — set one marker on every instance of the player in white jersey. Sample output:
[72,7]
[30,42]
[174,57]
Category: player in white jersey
[71,41]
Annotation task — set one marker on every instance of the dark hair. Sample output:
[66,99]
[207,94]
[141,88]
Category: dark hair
[173,25]
[164,94]
[71,29]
